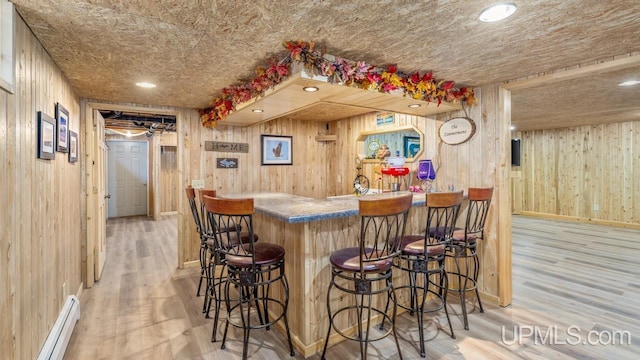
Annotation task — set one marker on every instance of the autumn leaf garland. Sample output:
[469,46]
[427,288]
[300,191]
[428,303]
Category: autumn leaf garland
[338,71]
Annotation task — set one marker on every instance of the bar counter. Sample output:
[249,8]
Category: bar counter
[310,230]
[295,209]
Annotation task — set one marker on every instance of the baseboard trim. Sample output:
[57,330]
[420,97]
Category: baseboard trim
[190,264]
[580,220]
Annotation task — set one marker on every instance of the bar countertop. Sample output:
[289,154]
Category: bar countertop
[295,209]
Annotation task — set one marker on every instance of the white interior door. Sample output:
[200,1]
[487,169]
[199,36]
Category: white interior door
[128,174]
[99,187]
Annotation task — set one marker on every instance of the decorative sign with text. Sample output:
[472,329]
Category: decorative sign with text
[226,146]
[457,130]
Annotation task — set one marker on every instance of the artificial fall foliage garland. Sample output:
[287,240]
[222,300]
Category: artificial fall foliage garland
[338,71]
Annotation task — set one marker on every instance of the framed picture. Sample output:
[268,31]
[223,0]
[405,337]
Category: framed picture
[73,146]
[46,136]
[62,119]
[276,150]
[384,118]
[7,48]
[411,146]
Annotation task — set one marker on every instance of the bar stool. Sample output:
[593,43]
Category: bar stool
[216,264]
[198,220]
[252,269]
[366,270]
[207,255]
[424,255]
[463,247]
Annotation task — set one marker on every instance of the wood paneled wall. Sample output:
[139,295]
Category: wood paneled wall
[168,179]
[40,218]
[306,177]
[480,162]
[566,172]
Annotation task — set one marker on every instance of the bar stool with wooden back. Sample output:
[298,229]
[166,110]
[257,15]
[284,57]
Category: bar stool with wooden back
[198,218]
[424,255]
[207,257]
[462,248]
[366,270]
[214,263]
[252,269]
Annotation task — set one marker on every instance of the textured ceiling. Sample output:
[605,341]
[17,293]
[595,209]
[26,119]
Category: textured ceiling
[193,49]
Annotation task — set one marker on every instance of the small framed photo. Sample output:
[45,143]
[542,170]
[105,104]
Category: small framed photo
[411,146]
[384,118]
[276,150]
[46,136]
[62,119]
[73,146]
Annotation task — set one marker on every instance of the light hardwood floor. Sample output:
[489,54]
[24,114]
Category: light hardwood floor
[569,279]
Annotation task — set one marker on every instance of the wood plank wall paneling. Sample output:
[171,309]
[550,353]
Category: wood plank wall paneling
[565,172]
[477,163]
[168,179]
[7,224]
[41,220]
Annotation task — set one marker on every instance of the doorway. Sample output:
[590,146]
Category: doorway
[128,176]
[151,203]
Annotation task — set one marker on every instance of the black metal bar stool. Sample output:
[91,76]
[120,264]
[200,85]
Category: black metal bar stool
[366,270]
[207,253]
[213,262]
[424,255]
[252,269]
[198,218]
[462,248]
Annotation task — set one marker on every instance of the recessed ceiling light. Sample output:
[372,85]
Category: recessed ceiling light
[497,12]
[415,105]
[146,85]
[629,83]
[310,88]
[257,110]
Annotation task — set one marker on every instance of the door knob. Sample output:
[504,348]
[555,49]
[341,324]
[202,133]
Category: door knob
[107,196]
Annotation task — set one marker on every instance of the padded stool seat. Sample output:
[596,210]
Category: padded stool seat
[349,260]
[415,245]
[459,237]
[264,254]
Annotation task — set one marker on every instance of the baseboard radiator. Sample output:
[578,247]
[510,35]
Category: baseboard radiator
[60,334]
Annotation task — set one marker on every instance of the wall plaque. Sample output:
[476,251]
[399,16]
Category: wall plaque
[227,163]
[226,146]
[457,130]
